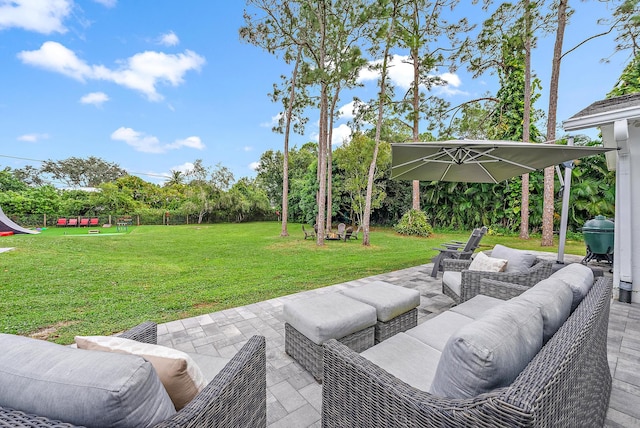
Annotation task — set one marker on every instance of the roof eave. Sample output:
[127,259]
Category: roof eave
[600,119]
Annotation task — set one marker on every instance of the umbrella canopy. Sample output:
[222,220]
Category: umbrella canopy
[483,161]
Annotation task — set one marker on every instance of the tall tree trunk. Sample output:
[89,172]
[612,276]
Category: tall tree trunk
[322,164]
[549,173]
[332,110]
[287,131]
[381,102]
[415,196]
[322,146]
[526,121]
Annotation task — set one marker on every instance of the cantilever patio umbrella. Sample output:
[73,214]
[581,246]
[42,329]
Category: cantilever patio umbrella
[478,161]
[475,161]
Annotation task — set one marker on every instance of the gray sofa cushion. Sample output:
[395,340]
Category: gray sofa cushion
[328,316]
[517,260]
[490,352]
[406,358]
[476,306]
[208,364]
[80,387]
[554,298]
[579,278]
[389,300]
[436,331]
[453,280]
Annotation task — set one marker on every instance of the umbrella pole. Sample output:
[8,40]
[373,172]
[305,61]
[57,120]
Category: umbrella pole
[564,217]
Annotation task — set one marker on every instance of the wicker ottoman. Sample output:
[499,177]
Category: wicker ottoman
[311,322]
[396,307]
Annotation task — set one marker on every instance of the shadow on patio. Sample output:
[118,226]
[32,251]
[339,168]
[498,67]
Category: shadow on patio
[294,398]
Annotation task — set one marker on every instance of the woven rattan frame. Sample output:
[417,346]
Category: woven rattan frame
[236,397]
[470,279]
[567,384]
[403,322]
[309,354]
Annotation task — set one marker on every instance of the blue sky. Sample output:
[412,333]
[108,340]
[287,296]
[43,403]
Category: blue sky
[155,85]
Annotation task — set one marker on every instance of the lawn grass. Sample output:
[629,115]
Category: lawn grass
[65,282]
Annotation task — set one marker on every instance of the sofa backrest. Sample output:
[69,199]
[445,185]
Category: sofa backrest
[571,369]
[579,278]
[554,298]
[489,352]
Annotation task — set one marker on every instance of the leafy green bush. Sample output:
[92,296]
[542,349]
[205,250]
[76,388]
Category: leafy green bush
[414,222]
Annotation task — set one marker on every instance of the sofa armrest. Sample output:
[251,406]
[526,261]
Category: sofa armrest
[237,396]
[147,332]
[470,280]
[455,265]
[16,418]
[500,289]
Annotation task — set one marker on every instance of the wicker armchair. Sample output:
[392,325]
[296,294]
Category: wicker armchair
[235,397]
[567,384]
[470,280]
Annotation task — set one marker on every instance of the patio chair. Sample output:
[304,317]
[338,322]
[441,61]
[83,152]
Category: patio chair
[341,230]
[355,234]
[308,234]
[84,222]
[522,268]
[347,233]
[94,221]
[72,222]
[457,250]
[62,222]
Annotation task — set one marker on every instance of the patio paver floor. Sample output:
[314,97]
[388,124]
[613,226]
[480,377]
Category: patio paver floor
[294,398]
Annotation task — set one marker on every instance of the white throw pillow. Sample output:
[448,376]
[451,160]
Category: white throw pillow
[484,263]
[177,371]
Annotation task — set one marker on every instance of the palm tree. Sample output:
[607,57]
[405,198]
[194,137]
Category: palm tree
[177,178]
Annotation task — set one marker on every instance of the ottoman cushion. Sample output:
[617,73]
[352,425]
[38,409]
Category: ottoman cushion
[328,316]
[388,299]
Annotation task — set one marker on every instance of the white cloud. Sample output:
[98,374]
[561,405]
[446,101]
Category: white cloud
[400,71]
[169,39]
[107,3]
[44,17]
[141,72]
[33,138]
[340,134]
[247,148]
[347,111]
[190,142]
[184,168]
[254,165]
[151,144]
[401,75]
[275,120]
[95,98]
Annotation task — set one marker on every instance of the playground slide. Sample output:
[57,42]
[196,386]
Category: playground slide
[6,225]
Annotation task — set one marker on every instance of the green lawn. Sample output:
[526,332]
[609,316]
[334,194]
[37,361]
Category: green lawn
[65,282]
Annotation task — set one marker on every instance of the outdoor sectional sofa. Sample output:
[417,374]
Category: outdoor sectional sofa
[504,366]
[235,397]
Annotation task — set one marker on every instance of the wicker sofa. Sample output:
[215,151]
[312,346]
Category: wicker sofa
[235,397]
[462,284]
[566,384]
